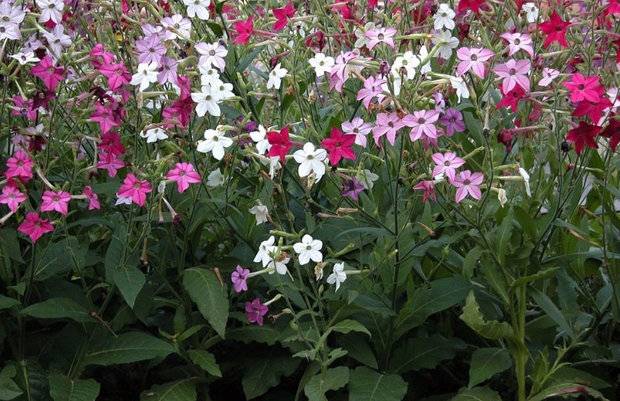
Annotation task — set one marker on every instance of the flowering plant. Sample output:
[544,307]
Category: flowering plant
[210,200]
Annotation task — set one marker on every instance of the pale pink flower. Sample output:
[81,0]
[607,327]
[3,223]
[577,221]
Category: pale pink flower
[466,183]
[473,59]
[514,72]
[549,74]
[422,124]
[370,90]
[359,128]
[380,35]
[388,125]
[12,197]
[518,41]
[446,164]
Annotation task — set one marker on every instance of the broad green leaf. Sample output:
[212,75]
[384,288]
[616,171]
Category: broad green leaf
[543,274]
[476,394]
[332,379]
[490,329]
[349,325]
[502,235]
[63,388]
[566,390]
[424,353]
[206,361]
[470,261]
[182,390]
[115,255]
[487,362]
[7,303]
[9,390]
[58,308]
[368,385]
[126,348]
[553,312]
[129,280]
[10,245]
[263,374]
[210,295]
[358,348]
[260,334]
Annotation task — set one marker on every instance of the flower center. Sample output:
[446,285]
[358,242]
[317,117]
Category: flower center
[380,36]
[474,57]
[466,182]
[512,71]
[517,41]
[211,52]
[421,120]
[581,87]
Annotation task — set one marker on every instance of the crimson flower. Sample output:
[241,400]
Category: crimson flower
[339,146]
[280,143]
[511,99]
[244,30]
[612,131]
[593,110]
[555,29]
[282,16]
[583,135]
[473,5]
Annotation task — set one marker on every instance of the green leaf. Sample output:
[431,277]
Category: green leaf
[348,325]
[210,295]
[543,274]
[476,394]
[487,362]
[7,303]
[553,312]
[206,361]
[10,245]
[115,255]
[264,373]
[129,281]
[260,334]
[126,348]
[470,261]
[424,353]
[566,390]
[503,234]
[182,390]
[490,329]
[248,58]
[63,388]
[58,308]
[332,379]
[8,388]
[367,385]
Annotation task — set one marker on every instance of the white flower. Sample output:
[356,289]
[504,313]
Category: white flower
[501,197]
[275,77]
[208,75]
[274,166]
[154,135]
[215,178]
[120,200]
[51,10]
[460,86]
[338,275]
[531,12]
[407,62]
[278,264]
[260,139]
[310,160]
[444,17]
[423,55]
[264,249]
[526,180]
[146,75]
[57,40]
[309,249]
[367,178]
[176,26]
[222,90]
[198,8]
[446,42]
[321,64]
[261,212]
[11,16]
[214,142]
[207,101]
[25,57]
[212,54]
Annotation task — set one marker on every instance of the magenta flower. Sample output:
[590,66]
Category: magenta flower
[422,124]
[255,311]
[135,189]
[338,146]
[110,162]
[446,163]
[357,127]
[47,71]
[372,88]
[24,107]
[380,35]
[12,197]
[19,166]
[466,183]
[518,41]
[183,174]
[105,116]
[473,59]
[56,202]
[150,49]
[239,278]
[514,72]
[388,125]
[93,199]
[428,187]
[453,121]
[34,226]
[116,74]
[584,88]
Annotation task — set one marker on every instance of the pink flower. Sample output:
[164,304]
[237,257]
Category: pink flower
[514,72]
[467,182]
[110,162]
[34,226]
[584,88]
[19,166]
[282,16]
[135,189]
[549,74]
[511,99]
[341,70]
[239,278]
[116,74]
[339,146]
[93,199]
[357,127]
[106,116]
[422,124]
[183,174]
[428,187]
[518,41]
[12,197]
[255,311]
[56,202]
[24,108]
[380,35]
[388,125]
[244,30]
[47,71]
[472,59]
[447,164]
[372,88]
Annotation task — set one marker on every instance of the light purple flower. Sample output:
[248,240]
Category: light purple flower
[453,121]
[446,164]
[549,74]
[168,72]
[359,128]
[514,72]
[388,125]
[466,183]
[255,311]
[352,188]
[473,59]
[339,73]
[372,88]
[518,41]
[150,49]
[239,278]
[380,35]
[422,124]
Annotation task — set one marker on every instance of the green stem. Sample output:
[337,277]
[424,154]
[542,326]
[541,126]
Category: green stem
[521,356]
